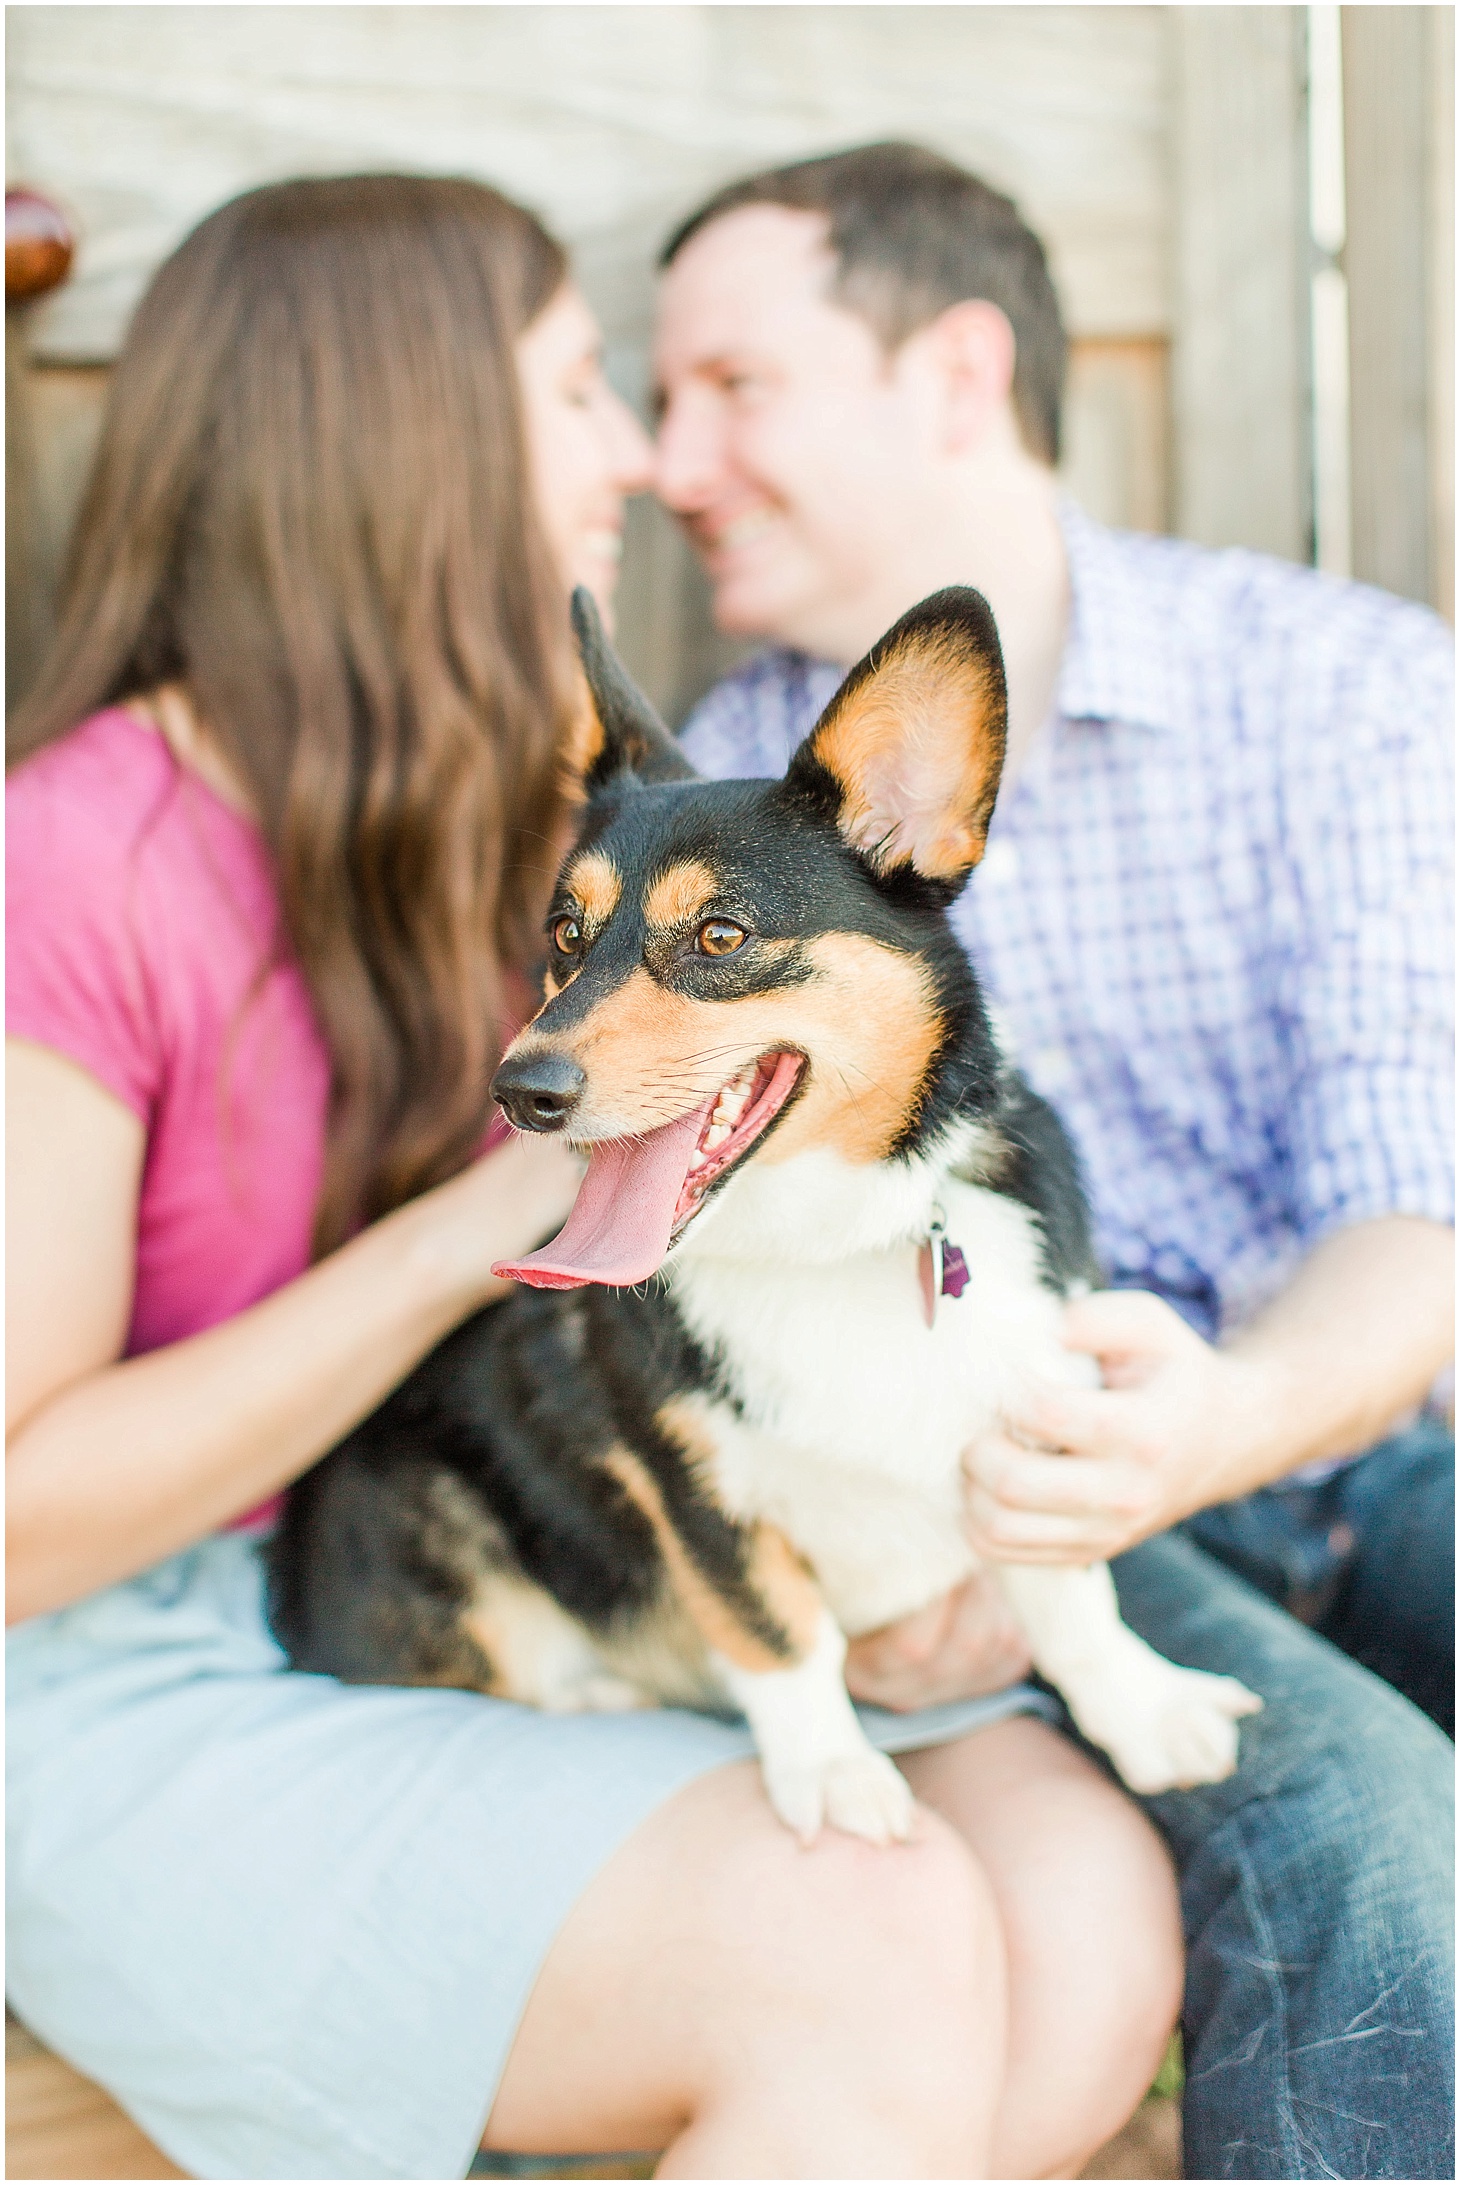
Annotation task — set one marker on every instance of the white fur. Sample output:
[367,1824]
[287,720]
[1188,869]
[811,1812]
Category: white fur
[816,1761]
[1161,1725]
[803,1277]
[855,1411]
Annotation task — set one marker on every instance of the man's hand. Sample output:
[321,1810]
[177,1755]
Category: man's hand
[960,1647]
[1078,1475]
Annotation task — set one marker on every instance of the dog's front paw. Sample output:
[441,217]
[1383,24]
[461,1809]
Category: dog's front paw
[1174,1730]
[861,1793]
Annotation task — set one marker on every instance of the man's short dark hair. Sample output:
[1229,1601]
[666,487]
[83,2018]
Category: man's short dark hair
[912,233]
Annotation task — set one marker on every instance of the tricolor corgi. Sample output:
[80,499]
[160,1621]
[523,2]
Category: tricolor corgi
[824,1236]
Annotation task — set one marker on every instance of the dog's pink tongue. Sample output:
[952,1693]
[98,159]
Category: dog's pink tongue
[618,1231]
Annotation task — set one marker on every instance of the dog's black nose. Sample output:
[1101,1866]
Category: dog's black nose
[539,1092]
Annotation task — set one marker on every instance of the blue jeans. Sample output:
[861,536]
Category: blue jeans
[1317,1883]
[1366,1556]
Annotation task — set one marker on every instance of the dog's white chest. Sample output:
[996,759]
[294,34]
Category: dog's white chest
[855,1412]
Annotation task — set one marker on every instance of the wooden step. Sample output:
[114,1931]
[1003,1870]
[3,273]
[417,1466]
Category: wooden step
[59,2124]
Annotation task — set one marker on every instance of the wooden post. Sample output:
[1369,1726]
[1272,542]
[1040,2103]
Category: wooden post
[1440,292]
[1240,279]
[39,246]
[1396,110]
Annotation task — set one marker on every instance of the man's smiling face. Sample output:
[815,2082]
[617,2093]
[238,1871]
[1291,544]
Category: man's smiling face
[789,441]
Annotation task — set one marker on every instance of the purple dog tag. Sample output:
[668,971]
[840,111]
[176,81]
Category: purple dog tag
[942,1268]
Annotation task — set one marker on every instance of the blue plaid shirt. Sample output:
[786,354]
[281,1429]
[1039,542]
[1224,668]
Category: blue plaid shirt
[1214,916]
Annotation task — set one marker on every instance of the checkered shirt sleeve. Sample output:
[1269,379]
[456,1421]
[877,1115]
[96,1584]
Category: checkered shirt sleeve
[1363,890]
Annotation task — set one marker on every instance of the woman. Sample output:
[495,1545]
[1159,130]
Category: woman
[279,852]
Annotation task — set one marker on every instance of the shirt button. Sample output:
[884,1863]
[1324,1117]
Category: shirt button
[1000,861]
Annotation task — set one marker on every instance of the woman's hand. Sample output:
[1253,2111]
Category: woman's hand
[960,1647]
[510,1200]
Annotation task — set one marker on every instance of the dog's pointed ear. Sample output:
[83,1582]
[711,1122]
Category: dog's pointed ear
[617,729]
[908,754]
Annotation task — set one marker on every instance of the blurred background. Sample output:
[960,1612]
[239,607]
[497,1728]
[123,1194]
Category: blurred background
[1249,211]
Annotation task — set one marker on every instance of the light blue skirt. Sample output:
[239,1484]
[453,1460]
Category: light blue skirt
[292,1924]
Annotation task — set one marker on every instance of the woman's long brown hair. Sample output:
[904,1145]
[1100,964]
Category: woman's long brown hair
[311,508]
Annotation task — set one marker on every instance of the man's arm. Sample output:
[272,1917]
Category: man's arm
[1355,1340]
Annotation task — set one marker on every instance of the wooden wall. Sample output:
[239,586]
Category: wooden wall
[1158,150]
[610,121]
[1399,110]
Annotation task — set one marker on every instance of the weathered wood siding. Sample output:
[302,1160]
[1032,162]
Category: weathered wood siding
[1159,150]
[1399,110]
[611,122]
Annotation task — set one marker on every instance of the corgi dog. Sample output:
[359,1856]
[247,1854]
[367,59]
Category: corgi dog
[824,1237]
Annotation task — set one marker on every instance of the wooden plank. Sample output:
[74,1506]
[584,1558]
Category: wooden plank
[1149,2146]
[611,121]
[59,2124]
[1440,301]
[1240,291]
[27,595]
[1118,431]
[1387,119]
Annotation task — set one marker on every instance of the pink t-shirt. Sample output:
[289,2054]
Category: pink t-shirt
[141,923]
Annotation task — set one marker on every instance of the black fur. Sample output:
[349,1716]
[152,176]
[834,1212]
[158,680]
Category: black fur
[1041,1169]
[372,1566]
[634,736]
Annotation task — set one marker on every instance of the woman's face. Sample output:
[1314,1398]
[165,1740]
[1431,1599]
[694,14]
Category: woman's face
[587,449]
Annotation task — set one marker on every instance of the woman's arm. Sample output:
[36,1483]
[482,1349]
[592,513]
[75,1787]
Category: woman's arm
[113,1465]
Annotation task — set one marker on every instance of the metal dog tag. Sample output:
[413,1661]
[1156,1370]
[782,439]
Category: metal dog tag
[942,1268]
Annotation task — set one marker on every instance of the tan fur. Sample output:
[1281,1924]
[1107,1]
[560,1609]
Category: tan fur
[526,1637]
[917,750]
[868,1023]
[663,1653]
[711,1615]
[783,1577]
[871,1027]
[679,895]
[596,882]
[533,1651]
[685,1421]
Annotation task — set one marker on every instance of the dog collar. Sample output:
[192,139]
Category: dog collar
[942,1268]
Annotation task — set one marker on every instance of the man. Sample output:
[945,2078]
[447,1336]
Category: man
[1212,917]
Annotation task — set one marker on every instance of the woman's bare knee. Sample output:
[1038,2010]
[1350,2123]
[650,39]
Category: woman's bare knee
[1088,1905]
[755,2003]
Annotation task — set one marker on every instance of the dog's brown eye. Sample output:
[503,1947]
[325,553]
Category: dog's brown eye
[720,937]
[567,936]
